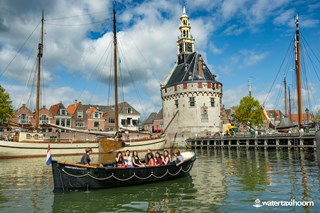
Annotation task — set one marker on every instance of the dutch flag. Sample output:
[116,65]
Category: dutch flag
[49,158]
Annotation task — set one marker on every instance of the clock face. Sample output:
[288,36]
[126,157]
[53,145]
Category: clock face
[189,47]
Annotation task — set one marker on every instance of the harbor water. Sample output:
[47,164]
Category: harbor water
[222,180]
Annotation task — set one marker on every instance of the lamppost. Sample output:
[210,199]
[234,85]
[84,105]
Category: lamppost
[307,112]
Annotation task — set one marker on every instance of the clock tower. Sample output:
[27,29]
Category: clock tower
[185,40]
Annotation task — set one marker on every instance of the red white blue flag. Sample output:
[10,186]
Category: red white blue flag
[49,157]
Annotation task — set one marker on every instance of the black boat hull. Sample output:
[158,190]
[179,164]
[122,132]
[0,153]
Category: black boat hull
[68,176]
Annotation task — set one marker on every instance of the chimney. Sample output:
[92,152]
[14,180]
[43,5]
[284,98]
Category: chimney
[200,71]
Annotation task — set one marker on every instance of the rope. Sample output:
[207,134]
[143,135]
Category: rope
[134,175]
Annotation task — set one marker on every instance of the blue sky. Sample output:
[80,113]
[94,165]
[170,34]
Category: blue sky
[240,41]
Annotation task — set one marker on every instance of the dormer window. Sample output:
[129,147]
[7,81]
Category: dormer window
[96,114]
[79,114]
[62,112]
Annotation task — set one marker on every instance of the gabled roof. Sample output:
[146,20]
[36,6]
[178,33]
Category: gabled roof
[71,109]
[54,109]
[151,118]
[188,71]
[124,106]
[25,108]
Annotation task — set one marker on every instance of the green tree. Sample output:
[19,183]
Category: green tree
[249,112]
[6,109]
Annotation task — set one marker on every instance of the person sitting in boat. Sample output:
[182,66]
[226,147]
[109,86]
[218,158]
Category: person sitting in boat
[158,159]
[173,156]
[135,160]
[119,160]
[146,156]
[127,159]
[166,157]
[151,161]
[179,157]
[85,159]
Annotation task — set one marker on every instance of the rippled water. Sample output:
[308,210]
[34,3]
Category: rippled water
[226,180]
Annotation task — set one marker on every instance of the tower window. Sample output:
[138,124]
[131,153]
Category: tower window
[192,101]
[176,103]
[212,102]
[185,86]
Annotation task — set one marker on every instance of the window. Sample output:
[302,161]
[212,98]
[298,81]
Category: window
[134,122]
[58,122]
[185,86]
[80,114]
[23,119]
[79,124]
[176,103]
[96,124]
[129,121]
[204,114]
[62,112]
[175,87]
[192,101]
[199,84]
[96,114]
[68,122]
[123,122]
[209,85]
[111,120]
[212,101]
[129,110]
[44,119]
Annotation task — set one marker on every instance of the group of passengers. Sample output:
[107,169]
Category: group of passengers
[157,159]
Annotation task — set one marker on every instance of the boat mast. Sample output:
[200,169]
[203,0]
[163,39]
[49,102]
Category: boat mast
[40,53]
[289,103]
[115,59]
[297,64]
[285,97]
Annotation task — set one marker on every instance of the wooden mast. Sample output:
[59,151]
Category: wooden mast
[297,64]
[40,53]
[285,97]
[115,60]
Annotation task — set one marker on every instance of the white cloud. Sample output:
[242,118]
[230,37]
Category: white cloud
[285,17]
[250,57]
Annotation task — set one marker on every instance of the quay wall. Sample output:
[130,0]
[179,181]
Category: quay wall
[278,141]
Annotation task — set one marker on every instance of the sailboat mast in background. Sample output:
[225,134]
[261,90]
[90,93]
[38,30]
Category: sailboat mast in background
[40,53]
[116,108]
[297,64]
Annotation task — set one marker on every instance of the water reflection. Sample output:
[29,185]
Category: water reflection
[160,197]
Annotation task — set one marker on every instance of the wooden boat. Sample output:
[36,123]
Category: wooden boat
[10,149]
[70,176]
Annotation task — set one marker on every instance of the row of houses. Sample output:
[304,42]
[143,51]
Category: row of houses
[78,116]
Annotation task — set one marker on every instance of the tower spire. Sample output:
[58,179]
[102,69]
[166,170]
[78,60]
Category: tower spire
[185,41]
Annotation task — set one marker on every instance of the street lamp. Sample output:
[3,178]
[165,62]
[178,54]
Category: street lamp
[307,112]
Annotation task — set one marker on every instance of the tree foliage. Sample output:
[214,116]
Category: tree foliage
[249,112]
[6,109]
